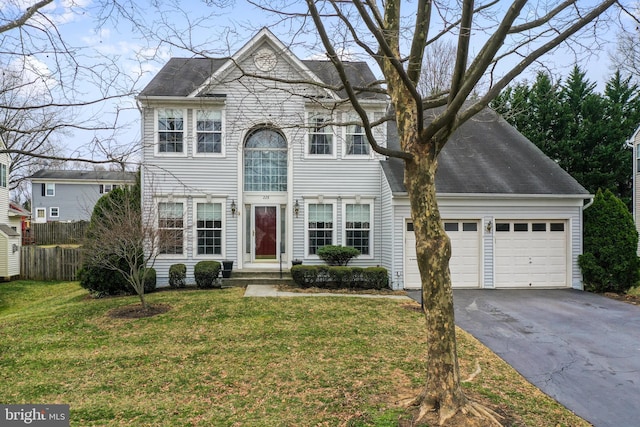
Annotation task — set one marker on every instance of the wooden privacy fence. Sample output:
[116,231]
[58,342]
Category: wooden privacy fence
[57,263]
[58,233]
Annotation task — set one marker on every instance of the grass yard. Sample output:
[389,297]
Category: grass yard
[218,359]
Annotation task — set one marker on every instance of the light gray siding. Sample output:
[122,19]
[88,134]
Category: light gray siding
[492,210]
[75,202]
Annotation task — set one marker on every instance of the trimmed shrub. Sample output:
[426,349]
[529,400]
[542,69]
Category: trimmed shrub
[178,276]
[610,260]
[150,280]
[337,255]
[334,277]
[206,274]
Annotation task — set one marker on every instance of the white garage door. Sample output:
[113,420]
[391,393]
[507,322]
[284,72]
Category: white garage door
[530,254]
[465,254]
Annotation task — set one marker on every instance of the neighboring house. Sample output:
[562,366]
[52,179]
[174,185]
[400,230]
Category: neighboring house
[10,225]
[634,142]
[249,170]
[66,195]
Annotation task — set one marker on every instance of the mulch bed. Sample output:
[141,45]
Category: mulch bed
[136,311]
[631,299]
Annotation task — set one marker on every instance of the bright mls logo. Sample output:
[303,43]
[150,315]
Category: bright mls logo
[34,415]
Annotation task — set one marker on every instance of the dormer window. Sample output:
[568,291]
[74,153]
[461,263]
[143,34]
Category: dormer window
[170,130]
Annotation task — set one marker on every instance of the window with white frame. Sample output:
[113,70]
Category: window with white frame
[319,226]
[320,136]
[208,131]
[358,227]
[41,214]
[48,190]
[54,212]
[356,143]
[170,130]
[265,161]
[3,175]
[170,228]
[106,188]
[209,228]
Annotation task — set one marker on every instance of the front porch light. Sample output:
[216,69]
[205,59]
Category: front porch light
[296,208]
[234,208]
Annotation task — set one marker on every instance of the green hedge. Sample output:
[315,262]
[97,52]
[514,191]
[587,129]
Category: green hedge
[337,254]
[206,274]
[333,277]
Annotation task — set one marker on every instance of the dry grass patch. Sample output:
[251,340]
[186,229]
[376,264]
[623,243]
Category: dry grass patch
[218,359]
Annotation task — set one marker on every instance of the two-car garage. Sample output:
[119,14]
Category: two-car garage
[523,253]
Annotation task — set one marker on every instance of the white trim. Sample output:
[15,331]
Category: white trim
[46,189]
[194,214]
[185,133]
[185,209]
[43,218]
[51,215]
[345,135]
[194,126]
[307,136]
[262,38]
[363,201]
[320,200]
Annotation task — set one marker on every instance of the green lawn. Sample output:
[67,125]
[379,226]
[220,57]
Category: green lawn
[218,359]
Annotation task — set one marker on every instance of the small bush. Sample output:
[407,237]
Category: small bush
[150,281]
[333,277]
[206,274]
[178,276]
[337,255]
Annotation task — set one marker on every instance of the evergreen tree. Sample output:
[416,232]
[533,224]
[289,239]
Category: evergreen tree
[583,131]
[610,262]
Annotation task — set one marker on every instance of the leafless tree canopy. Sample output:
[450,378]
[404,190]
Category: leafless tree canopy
[59,97]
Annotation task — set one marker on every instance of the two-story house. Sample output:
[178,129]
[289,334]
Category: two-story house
[258,171]
[70,195]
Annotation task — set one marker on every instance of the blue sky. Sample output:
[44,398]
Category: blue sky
[224,31]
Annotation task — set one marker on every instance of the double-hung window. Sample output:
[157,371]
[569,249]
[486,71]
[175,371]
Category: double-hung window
[320,136]
[54,212]
[358,227]
[209,228]
[208,131]
[356,141]
[320,226]
[48,190]
[170,227]
[170,130]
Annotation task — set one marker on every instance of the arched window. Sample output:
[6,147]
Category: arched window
[265,161]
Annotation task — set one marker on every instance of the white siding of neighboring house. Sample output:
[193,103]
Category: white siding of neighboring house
[635,140]
[388,232]
[490,209]
[9,259]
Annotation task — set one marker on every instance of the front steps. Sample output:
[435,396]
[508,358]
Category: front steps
[247,277]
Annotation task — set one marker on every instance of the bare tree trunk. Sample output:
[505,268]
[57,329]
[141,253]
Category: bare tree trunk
[433,248]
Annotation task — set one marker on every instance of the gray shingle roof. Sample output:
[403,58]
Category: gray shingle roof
[9,231]
[45,174]
[181,76]
[488,155]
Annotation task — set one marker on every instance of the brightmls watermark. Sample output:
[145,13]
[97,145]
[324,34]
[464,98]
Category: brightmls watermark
[34,415]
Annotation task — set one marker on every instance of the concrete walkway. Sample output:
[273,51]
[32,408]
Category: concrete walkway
[272,291]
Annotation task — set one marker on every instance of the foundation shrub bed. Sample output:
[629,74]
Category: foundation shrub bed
[334,277]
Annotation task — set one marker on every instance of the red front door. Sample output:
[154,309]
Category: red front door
[266,232]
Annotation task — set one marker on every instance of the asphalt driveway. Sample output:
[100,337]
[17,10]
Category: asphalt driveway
[579,348]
